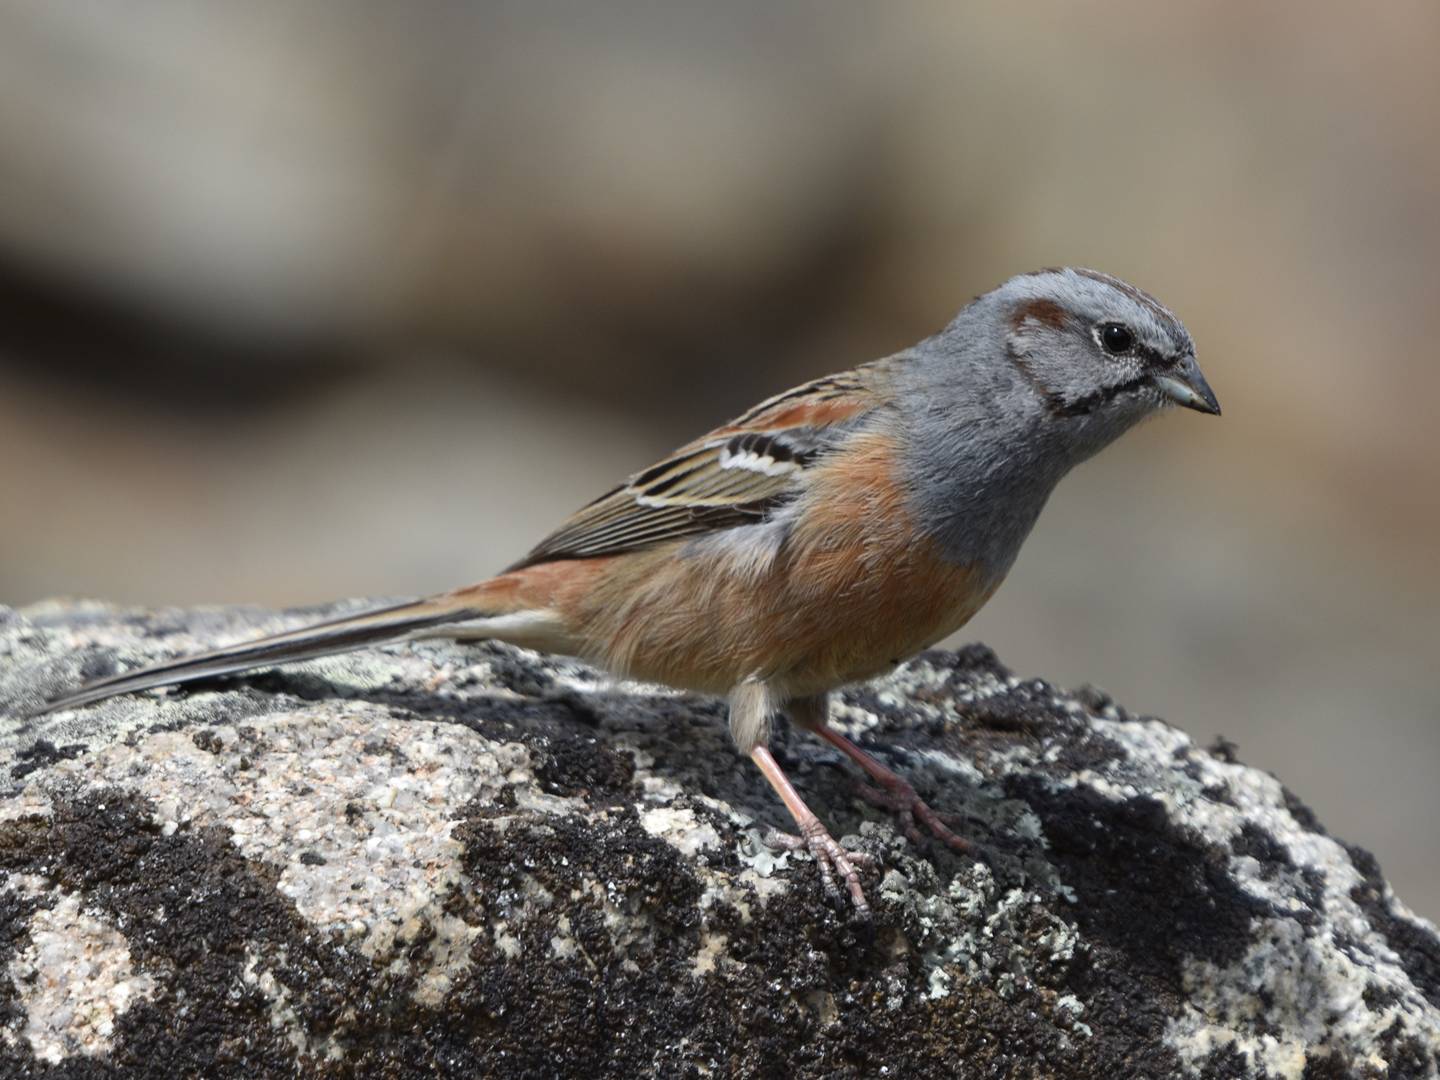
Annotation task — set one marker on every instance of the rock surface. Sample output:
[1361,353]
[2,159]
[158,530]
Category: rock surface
[473,860]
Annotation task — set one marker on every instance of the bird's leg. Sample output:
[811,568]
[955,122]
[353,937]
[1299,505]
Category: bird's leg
[830,857]
[752,705]
[894,792]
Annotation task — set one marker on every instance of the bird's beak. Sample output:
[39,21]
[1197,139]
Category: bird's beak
[1184,385]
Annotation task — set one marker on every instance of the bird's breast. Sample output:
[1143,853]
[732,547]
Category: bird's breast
[856,586]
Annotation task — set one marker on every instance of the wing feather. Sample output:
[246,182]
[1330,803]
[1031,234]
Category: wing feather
[738,474]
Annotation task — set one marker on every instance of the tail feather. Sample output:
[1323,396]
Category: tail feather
[307,643]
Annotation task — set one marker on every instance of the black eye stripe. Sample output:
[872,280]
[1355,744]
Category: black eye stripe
[1156,359]
[1090,402]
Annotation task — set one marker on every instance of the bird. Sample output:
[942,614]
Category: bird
[815,541]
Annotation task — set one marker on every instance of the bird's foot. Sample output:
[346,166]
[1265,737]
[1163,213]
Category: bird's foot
[896,794]
[831,858]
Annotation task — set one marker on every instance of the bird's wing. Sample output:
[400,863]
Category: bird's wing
[738,474]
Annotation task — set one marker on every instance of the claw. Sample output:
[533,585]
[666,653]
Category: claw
[895,794]
[830,859]
[898,796]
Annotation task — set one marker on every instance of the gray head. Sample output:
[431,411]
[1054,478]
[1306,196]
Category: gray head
[1057,363]
[1026,382]
[1093,345]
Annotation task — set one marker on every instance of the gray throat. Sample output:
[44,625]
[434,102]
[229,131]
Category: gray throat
[984,452]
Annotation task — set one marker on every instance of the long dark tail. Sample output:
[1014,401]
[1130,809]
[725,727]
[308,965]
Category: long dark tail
[307,643]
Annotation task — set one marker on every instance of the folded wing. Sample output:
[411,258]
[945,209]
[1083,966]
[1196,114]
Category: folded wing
[738,474]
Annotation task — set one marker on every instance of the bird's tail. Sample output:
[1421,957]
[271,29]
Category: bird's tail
[418,618]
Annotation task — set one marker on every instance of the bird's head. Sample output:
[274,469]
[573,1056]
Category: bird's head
[1092,345]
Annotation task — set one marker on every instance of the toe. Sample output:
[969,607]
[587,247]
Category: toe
[774,838]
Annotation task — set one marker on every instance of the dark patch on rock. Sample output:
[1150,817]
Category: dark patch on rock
[1223,749]
[967,661]
[1219,793]
[1321,1066]
[1302,814]
[1406,1056]
[281,682]
[1011,713]
[1380,997]
[40,753]
[1021,715]
[510,672]
[1224,1063]
[15,911]
[1311,887]
[804,990]
[584,766]
[1093,698]
[189,907]
[562,853]
[581,707]
[1156,893]
[1418,949]
[99,664]
[206,739]
[1254,841]
[1072,745]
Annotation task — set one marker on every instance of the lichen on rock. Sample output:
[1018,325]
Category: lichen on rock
[437,857]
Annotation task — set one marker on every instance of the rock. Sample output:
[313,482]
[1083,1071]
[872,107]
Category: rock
[434,858]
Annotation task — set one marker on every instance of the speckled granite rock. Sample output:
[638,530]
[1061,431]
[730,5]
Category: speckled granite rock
[471,860]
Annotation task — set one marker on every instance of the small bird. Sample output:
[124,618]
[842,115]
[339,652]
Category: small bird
[818,539]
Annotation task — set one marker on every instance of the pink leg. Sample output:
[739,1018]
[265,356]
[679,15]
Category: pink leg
[894,793]
[830,857]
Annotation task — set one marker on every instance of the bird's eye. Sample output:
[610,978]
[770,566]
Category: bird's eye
[1116,339]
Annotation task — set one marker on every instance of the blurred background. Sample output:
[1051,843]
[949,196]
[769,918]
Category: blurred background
[306,301]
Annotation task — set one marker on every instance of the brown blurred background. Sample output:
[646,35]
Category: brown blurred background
[301,301]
